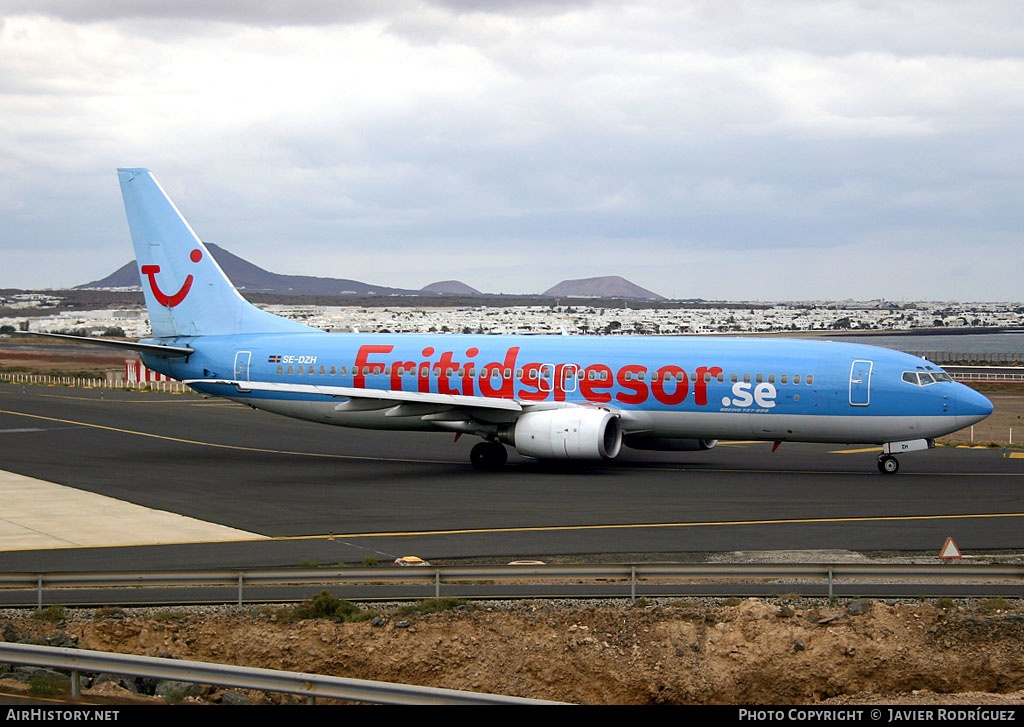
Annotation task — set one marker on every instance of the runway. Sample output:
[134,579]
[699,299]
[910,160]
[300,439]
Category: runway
[319,494]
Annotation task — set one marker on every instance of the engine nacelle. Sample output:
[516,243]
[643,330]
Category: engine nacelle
[570,433]
[666,444]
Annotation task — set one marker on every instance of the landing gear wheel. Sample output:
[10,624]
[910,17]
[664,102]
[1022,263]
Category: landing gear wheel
[888,465]
[488,456]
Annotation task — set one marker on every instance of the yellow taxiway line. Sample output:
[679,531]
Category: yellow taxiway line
[571,528]
[236,447]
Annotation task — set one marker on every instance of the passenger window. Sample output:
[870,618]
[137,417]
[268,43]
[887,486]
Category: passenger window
[508,374]
[785,378]
[707,377]
[810,379]
[796,378]
[771,378]
[280,369]
[735,378]
[291,369]
[721,378]
[323,370]
[746,378]
[759,378]
[344,370]
[334,370]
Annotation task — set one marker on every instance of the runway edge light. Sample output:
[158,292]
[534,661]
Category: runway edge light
[949,550]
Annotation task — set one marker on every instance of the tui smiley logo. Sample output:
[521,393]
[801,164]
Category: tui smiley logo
[169,301]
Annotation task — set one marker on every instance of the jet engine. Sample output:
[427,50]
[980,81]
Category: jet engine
[570,433]
[666,444]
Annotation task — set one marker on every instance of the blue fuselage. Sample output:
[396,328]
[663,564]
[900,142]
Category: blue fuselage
[779,389]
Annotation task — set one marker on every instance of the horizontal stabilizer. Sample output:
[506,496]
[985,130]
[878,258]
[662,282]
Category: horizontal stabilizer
[153,348]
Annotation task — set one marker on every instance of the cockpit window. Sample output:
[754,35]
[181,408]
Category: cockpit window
[920,378]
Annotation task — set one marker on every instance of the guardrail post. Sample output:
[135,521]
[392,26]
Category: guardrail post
[239,592]
[76,684]
[39,593]
[830,579]
[632,586]
[437,584]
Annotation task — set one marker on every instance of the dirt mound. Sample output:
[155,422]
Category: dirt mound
[756,652]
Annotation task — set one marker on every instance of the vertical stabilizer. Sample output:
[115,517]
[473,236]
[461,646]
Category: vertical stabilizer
[187,293]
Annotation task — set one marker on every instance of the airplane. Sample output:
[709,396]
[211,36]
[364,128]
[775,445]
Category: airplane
[549,397]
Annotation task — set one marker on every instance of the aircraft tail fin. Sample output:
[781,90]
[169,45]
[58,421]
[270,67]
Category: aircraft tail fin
[186,291]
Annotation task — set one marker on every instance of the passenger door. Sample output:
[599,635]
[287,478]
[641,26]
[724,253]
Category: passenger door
[860,383]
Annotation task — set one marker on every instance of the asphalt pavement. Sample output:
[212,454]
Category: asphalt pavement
[321,494]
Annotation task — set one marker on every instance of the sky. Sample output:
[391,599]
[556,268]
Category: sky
[728,149]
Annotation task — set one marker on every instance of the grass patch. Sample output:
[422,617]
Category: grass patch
[48,685]
[175,696]
[324,605]
[431,605]
[170,615]
[53,614]
[945,603]
[996,604]
[370,562]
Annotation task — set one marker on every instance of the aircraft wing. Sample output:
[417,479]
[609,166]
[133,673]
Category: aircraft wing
[382,396]
[456,412]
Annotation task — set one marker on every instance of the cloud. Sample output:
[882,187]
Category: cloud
[579,138]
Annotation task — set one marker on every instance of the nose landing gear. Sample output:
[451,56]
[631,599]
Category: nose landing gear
[888,465]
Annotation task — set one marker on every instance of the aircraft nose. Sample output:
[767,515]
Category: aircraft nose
[971,407]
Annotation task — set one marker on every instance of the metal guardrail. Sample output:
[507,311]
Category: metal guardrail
[956,357]
[242,677]
[987,377]
[630,574]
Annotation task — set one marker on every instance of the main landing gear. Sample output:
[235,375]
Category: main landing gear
[488,456]
[888,465]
